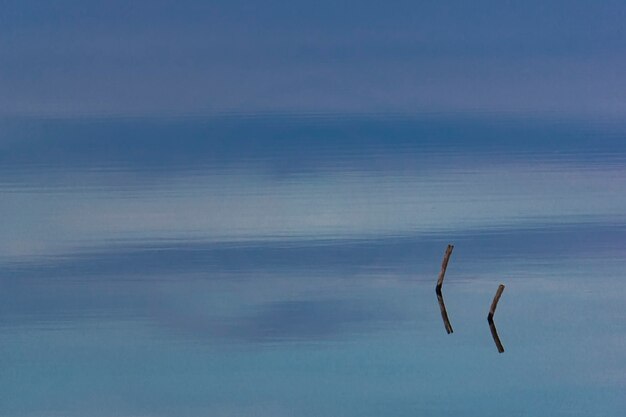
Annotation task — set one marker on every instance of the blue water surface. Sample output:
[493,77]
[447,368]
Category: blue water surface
[285,265]
[233,208]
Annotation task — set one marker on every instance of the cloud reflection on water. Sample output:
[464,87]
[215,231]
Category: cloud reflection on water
[251,207]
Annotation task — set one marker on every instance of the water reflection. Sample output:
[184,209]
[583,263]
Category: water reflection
[492,311]
[442,274]
[494,334]
[444,313]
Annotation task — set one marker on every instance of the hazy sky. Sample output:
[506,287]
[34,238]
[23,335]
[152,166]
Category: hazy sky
[77,58]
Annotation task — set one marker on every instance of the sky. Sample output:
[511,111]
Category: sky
[164,58]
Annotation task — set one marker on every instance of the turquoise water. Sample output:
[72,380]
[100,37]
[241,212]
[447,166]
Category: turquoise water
[286,265]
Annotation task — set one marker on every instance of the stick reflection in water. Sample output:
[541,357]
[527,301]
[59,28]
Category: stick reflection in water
[444,313]
[492,325]
[442,305]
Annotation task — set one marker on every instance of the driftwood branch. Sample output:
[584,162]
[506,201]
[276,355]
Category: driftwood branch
[494,303]
[444,265]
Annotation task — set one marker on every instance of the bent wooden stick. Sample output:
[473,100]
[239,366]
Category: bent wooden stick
[444,265]
[494,303]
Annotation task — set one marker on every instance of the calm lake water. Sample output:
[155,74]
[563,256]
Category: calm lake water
[286,266]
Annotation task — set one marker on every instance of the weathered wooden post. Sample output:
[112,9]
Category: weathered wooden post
[444,265]
[494,303]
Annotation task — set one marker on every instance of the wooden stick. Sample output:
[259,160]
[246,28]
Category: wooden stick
[494,303]
[444,265]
